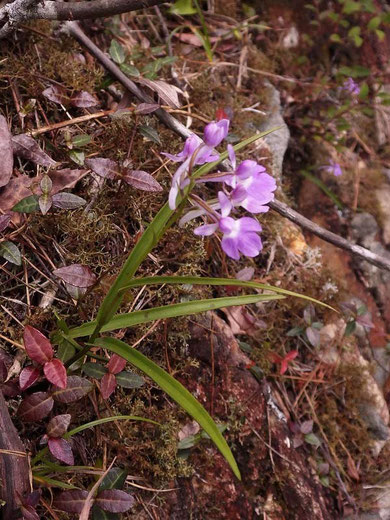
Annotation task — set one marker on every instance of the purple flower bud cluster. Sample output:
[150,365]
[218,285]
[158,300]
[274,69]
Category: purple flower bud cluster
[333,167]
[247,185]
[351,87]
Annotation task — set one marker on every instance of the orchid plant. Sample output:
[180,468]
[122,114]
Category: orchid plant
[246,185]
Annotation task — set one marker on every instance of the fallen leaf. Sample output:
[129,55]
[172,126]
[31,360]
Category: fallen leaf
[4,221]
[83,99]
[76,274]
[141,180]
[26,147]
[168,93]
[146,108]
[106,168]
[57,94]
[6,154]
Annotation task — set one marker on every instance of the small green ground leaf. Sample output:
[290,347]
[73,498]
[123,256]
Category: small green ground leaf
[27,205]
[130,70]
[117,52]
[10,252]
[175,390]
[150,133]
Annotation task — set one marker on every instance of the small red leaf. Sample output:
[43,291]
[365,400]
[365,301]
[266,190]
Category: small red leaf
[61,450]
[141,180]
[58,425]
[38,347]
[307,427]
[114,500]
[71,501]
[55,372]
[77,388]
[57,94]
[116,364]
[108,385]
[106,168]
[28,376]
[76,274]
[83,99]
[35,407]
[32,499]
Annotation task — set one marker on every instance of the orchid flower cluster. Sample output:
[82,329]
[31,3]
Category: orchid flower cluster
[247,185]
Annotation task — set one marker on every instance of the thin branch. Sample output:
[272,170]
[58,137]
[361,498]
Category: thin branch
[328,236]
[74,29]
[95,9]
[20,11]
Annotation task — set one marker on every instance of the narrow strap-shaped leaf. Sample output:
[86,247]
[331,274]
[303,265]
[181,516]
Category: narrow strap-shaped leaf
[149,240]
[122,321]
[196,280]
[175,390]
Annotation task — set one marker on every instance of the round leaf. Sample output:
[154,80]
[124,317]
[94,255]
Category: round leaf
[116,364]
[94,370]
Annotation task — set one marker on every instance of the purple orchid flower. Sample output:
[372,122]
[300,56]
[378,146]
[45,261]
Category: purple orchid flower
[334,167]
[239,236]
[351,87]
[215,132]
[253,187]
[193,144]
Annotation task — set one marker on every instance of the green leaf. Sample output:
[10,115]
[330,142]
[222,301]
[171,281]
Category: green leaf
[150,133]
[117,52]
[77,156]
[182,7]
[27,205]
[150,238]
[175,390]
[104,420]
[380,34]
[10,252]
[65,350]
[351,7]
[364,91]
[374,23]
[50,482]
[129,70]
[349,329]
[99,514]
[81,140]
[114,479]
[94,370]
[312,439]
[122,321]
[129,379]
[335,38]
